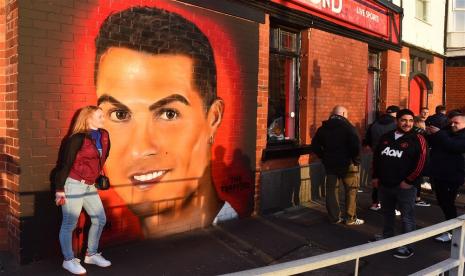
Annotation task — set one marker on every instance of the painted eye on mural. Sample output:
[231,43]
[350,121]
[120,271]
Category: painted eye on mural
[119,115]
[168,114]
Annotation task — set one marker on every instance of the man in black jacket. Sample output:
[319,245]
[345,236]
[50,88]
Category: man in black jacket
[398,160]
[337,144]
[447,165]
[381,126]
[439,119]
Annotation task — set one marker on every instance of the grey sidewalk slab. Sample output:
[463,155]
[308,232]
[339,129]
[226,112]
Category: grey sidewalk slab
[254,242]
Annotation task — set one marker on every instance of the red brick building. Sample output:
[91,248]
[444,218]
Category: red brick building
[281,68]
[455,86]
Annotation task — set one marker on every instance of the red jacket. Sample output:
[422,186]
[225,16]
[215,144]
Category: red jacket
[81,159]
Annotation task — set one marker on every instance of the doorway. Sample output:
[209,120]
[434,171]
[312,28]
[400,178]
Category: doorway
[416,95]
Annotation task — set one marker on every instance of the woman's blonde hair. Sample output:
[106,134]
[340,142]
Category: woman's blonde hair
[81,125]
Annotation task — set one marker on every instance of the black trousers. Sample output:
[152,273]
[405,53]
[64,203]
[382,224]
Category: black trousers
[446,193]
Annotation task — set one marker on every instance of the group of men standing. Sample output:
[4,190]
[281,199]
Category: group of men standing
[404,152]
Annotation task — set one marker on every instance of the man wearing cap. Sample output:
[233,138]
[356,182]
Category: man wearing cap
[398,161]
[384,124]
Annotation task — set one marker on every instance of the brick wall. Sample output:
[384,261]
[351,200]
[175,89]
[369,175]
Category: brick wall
[391,93]
[51,90]
[9,161]
[333,71]
[435,75]
[455,87]
[262,103]
[336,73]
[395,88]
[403,80]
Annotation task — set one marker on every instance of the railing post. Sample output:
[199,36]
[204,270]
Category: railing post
[357,264]
[457,248]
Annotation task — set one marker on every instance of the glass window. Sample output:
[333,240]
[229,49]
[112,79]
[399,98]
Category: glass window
[459,21]
[422,10]
[283,83]
[373,86]
[459,4]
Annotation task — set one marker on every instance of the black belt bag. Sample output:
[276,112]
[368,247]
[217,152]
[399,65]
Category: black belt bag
[102,182]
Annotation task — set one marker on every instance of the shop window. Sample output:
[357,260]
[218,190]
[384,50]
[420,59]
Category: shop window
[403,67]
[283,86]
[373,86]
[422,9]
[459,16]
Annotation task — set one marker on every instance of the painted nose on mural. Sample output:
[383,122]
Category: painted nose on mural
[144,142]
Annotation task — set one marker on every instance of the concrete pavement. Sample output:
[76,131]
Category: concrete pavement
[254,242]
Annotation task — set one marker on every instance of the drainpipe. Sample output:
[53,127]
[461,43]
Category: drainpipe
[445,53]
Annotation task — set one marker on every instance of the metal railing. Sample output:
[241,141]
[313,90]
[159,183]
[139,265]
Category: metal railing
[454,264]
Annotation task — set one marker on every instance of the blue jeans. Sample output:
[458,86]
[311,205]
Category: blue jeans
[402,198]
[80,195]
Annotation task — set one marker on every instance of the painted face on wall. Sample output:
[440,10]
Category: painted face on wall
[161,135]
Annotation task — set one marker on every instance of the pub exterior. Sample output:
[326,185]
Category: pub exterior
[281,66]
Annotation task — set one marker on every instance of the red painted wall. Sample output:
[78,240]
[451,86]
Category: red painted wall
[56,78]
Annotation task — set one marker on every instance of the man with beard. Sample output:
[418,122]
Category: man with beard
[384,124]
[337,144]
[398,161]
[447,165]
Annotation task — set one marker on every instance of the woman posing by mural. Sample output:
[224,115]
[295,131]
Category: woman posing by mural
[84,154]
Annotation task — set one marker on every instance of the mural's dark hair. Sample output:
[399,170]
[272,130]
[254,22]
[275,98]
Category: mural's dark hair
[157,31]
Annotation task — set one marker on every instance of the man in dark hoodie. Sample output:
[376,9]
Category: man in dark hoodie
[398,161]
[384,124]
[439,119]
[447,165]
[337,144]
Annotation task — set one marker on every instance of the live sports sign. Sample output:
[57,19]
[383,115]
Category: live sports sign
[366,16]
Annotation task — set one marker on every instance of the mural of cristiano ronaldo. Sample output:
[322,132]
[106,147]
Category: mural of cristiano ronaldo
[155,79]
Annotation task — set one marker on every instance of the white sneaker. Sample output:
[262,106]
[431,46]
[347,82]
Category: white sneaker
[444,237]
[397,212]
[355,222]
[426,186]
[97,259]
[375,206]
[74,266]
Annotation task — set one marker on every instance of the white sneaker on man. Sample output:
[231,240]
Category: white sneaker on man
[74,266]
[426,186]
[97,259]
[444,237]
[398,213]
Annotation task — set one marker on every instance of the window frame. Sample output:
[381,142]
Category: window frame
[296,55]
[426,17]
[376,93]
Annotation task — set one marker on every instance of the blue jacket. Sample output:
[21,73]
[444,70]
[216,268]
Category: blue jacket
[447,160]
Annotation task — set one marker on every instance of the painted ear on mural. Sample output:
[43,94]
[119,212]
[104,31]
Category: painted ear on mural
[215,115]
